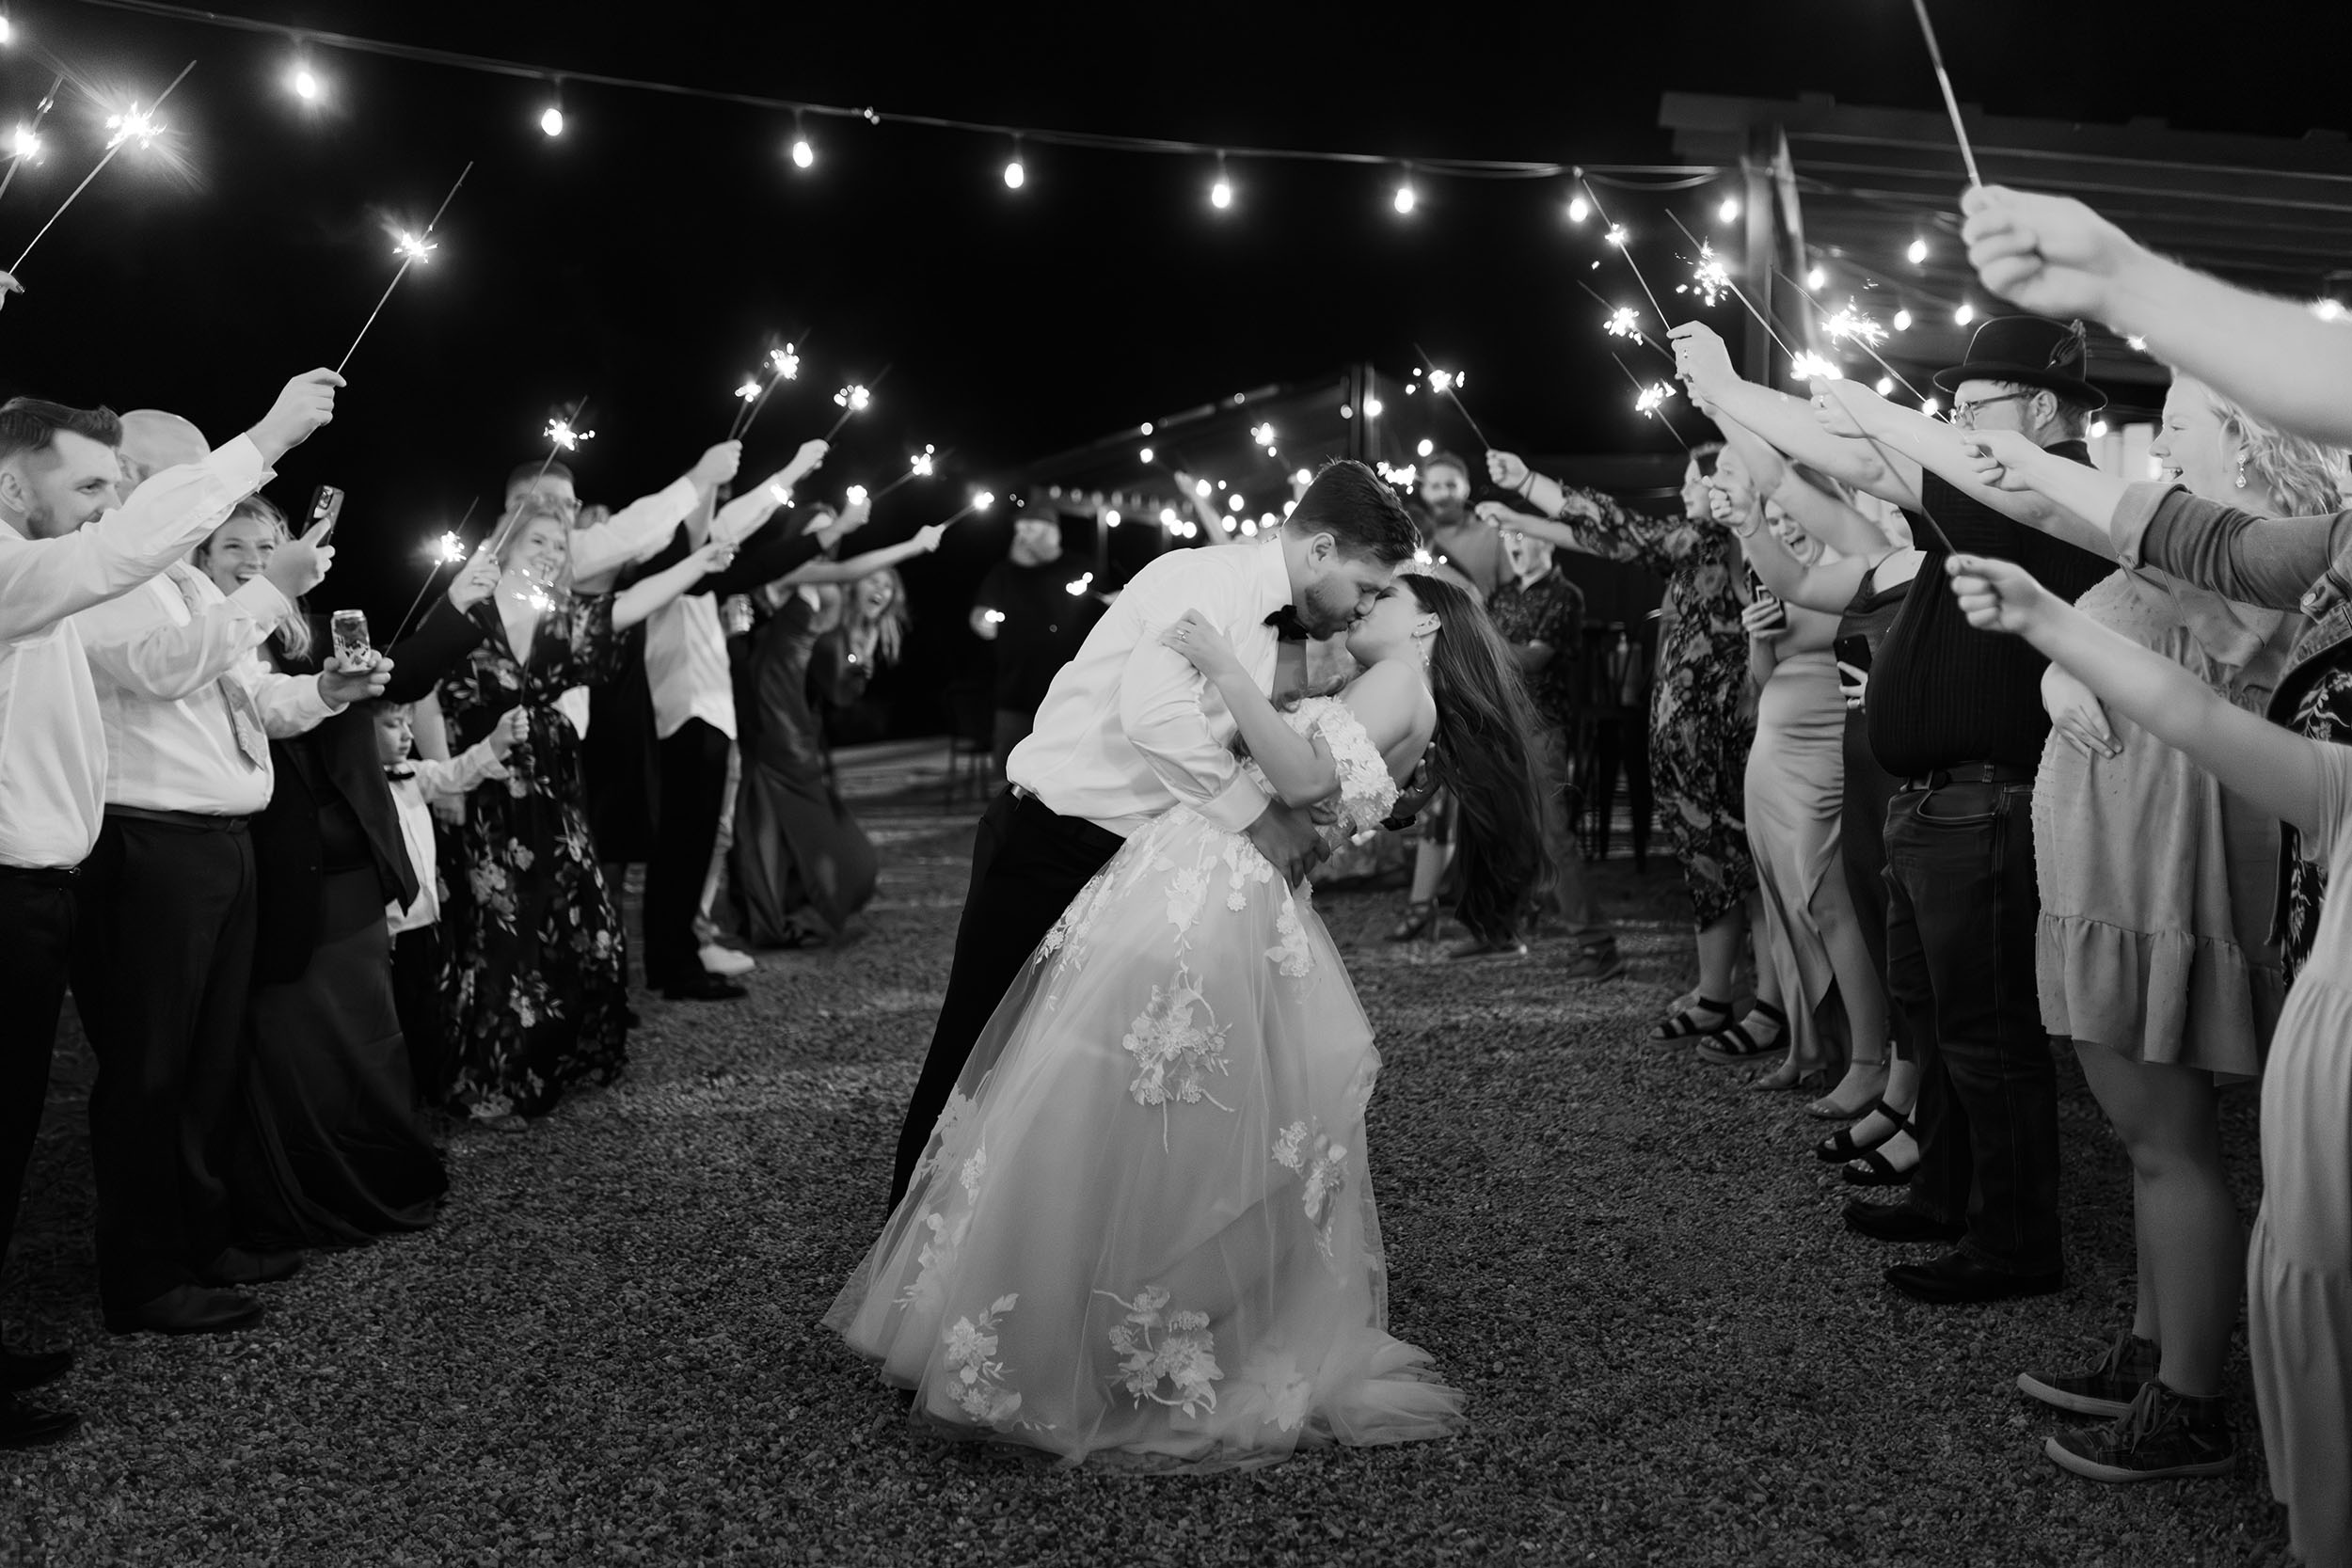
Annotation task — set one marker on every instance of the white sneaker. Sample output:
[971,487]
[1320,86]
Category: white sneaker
[726,962]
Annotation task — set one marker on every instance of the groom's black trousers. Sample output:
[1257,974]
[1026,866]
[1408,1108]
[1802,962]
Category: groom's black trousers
[1027,864]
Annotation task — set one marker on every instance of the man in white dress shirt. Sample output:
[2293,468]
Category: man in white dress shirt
[1129,730]
[164,917]
[65,547]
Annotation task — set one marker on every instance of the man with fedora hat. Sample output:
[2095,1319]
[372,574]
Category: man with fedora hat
[1956,716]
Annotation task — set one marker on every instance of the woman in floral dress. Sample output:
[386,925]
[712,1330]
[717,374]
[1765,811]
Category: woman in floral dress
[1701,724]
[1143,1228]
[533,985]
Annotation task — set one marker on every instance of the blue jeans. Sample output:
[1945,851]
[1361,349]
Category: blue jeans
[1962,911]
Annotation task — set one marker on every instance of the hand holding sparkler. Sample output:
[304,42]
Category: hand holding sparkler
[410,248]
[1844,407]
[2005,459]
[2050,254]
[1509,470]
[477,582]
[716,465]
[9,285]
[1702,360]
[133,124]
[927,538]
[304,406]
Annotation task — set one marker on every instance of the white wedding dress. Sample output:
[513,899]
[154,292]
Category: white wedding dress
[1144,1229]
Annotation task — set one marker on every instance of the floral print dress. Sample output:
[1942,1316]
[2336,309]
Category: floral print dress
[535,988]
[1143,1229]
[1701,725]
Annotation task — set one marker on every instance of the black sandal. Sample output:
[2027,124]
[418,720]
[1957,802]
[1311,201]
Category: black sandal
[1419,916]
[1874,1169]
[1734,1044]
[1842,1144]
[1687,1022]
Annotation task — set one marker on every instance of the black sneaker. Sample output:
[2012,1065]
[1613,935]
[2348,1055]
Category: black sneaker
[2163,1436]
[2107,1388]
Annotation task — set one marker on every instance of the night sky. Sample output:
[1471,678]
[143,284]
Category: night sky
[642,258]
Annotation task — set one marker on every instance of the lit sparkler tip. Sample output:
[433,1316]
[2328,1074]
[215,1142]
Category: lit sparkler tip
[562,432]
[413,247]
[449,549]
[1442,381]
[854,399]
[786,363]
[26,143]
[1852,324]
[1652,398]
[921,463]
[982,500]
[134,124]
[1616,235]
[749,391]
[1624,322]
[855,495]
[1806,366]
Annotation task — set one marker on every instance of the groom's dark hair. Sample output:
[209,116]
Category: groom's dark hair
[1349,502]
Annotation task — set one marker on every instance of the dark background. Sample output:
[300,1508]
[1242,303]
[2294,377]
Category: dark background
[642,258]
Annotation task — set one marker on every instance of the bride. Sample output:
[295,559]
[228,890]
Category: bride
[1143,1228]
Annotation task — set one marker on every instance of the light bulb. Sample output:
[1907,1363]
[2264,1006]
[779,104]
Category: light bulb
[305,83]
[1903,320]
[1145,429]
[1579,209]
[1426,447]
[1110,517]
[1404,197]
[7,30]
[1965,315]
[802,154]
[1232,503]
[1729,209]
[1014,175]
[1302,477]
[1202,488]
[2328,309]
[1372,408]
[1815,279]
[1930,408]
[1918,252]
[1886,386]
[552,120]
[1289,507]
[1221,193]
[1145,455]
[2098,428]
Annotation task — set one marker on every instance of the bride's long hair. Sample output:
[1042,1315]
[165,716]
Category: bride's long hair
[1484,753]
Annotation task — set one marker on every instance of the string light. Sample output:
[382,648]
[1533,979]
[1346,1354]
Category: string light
[1965,315]
[8,30]
[1145,429]
[1110,516]
[1373,405]
[1169,518]
[803,155]
[1426,447]
[1145,455]
[1903,320]
[1221,193]
[1232,503]
[2098,429]
[1918,252]
[1728,211]
[1930,408]
[2328,309]
[1302,477]
[1579,209]
[552,117]
[1886,387]
[1202,488]
[1815,278]
[304,82]
[1014,174]
[1405,197]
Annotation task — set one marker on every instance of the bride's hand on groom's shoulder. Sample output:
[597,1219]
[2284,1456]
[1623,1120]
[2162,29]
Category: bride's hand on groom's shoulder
[1204,646]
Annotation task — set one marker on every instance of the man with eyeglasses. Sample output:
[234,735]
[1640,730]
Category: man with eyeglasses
[1956,716]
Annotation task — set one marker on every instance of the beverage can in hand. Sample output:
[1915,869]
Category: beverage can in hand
[349,628]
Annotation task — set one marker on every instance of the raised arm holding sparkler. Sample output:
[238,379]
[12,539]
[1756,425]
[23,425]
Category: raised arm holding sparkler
[747,513]
[1786,422]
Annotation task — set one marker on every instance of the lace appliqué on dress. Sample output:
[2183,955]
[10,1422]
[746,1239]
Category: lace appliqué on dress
[1159,1347]
[1175,1055]
[1310,1152]
[979,1386]
[1367,791]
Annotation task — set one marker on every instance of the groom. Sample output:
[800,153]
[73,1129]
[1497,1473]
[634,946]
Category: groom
[1129,730]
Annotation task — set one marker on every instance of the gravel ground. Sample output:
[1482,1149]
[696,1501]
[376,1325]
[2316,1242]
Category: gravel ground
[606,1350]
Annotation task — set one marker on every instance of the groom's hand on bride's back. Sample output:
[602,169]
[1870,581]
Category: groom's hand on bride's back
[1286,835]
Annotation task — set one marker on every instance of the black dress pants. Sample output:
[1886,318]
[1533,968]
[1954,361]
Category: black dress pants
[36,933]
[163,958]
[1027,864]
[417,1001]
[693,765]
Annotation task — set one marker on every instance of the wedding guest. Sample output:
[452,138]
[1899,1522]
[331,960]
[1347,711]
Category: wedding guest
[65,547]
[2300,1304]
[1962,726]
[1023,608]
[694,726]
[803,864]
[415,926]
[1700,728]
[1540,613]
[2157,1037]
[166,922]
[534,993]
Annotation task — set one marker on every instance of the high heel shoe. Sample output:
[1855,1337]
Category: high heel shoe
[1419,915]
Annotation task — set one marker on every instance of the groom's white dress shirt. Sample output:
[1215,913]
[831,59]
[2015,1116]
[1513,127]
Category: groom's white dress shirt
[1130,729]
[53,743]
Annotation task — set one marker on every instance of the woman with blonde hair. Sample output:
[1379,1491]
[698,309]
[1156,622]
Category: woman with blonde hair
[2153,952]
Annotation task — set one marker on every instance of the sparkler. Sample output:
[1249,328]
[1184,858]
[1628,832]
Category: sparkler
[1943,80]
[1617,238]
[132,124]
[1649,400]
[1446,382]
[1807,366]
[1854,328]
[853,400]
[448,550]
[783,364]
[410,248]
[919,465]
[981,501]
[1629,316]
[26,142]
[1737,293]
[563,434]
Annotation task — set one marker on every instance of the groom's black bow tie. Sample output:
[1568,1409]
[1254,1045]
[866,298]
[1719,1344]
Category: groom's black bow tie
[1286,625]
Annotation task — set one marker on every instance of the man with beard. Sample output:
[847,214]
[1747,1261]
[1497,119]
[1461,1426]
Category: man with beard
[1125,734]
[1458,537]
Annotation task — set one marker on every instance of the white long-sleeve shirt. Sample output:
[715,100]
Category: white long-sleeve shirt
[52,739]
[633,532]
[427,780]
[169,742]
[1129,729]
